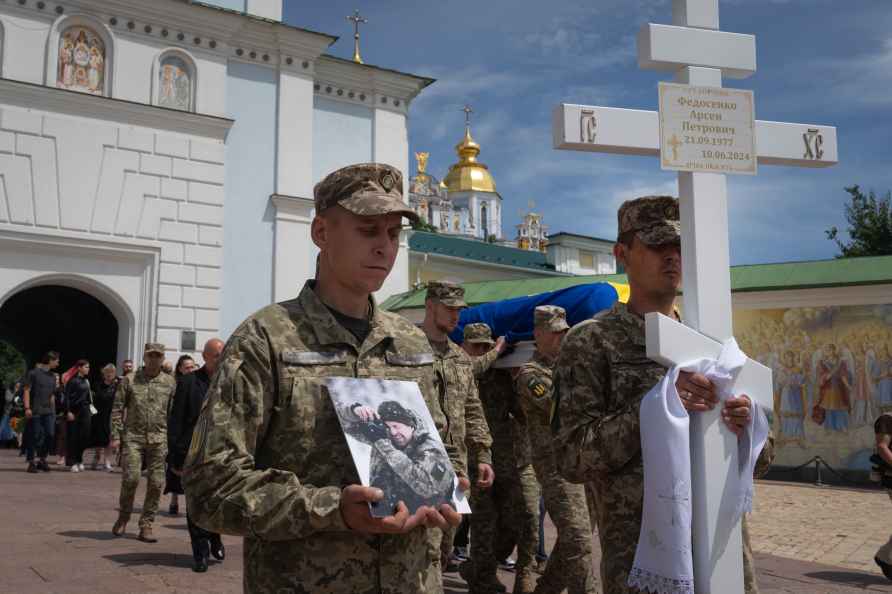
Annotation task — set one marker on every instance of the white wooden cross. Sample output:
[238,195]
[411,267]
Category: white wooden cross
[700,54]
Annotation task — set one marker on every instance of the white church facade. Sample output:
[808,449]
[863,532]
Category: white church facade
[157,162]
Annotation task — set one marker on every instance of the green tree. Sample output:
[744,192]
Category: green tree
[870,225]
[12,364]
[419,225]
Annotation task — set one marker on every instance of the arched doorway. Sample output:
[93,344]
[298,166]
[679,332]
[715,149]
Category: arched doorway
[63,319]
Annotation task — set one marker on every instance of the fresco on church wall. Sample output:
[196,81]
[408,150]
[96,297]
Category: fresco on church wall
[175,84]
[81,61]
[832,376]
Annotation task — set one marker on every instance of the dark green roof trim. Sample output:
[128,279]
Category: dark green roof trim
[253,17]
[841,272]
[480,251]
[581,236]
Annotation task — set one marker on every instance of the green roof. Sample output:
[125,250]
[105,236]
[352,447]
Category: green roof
[842,272]
[472,249]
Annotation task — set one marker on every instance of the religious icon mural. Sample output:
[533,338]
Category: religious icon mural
[175,83]
[81,61]
[832,371]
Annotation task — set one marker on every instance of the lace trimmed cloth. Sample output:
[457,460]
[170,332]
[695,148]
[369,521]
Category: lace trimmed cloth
[663,559]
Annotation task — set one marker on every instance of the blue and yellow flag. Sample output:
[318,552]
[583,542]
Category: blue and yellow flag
[513,318]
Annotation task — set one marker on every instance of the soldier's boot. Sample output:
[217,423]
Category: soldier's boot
[120,524]
[217,548]
[523,581]
[480,582]
[201,550]
[145,534]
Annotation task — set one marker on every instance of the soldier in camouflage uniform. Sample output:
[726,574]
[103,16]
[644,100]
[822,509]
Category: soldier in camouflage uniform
[268,460]
[522,526]
[481,569]
[406,463]
[466,424]
[141,401]
[570,563]
[602,374]
[478,344]
[507,514]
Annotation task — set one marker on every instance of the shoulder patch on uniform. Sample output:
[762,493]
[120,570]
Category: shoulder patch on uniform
[313,357]
[537,387]
[410,360]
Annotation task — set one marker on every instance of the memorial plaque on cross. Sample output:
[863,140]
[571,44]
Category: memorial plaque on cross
[700,55]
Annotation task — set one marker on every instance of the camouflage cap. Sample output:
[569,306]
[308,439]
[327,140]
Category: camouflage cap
[654,219]
[391,410]
[154,347]
[478,333]
[550,317]
[446,293]
[365,189]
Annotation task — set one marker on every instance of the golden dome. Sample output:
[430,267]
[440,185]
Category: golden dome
[469,174]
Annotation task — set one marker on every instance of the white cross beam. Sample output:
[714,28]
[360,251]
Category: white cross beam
[700,55]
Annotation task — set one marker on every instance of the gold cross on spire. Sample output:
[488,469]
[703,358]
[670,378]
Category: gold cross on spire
[468,111]
[356,19]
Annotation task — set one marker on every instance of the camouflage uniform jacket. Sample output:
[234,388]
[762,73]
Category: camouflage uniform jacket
[602,374]
[268,458]
[142,403]
[466,426]
[484,362]
[510,447]
[417,475]
[534,388]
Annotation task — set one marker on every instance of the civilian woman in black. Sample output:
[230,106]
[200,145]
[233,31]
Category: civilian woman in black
[77,407]
[100,424]
[185,365]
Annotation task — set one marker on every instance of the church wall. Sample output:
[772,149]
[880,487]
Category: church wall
[251,95]
[82,179]
[342,134]
[24,56]
[391,146]
[133,73]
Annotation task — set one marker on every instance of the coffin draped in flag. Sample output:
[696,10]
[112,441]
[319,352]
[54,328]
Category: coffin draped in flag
[513,318]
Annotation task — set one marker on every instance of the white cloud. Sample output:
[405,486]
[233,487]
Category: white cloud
[864,79]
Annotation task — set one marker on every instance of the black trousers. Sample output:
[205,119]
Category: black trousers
[39,434]
[197,534]
[77,437]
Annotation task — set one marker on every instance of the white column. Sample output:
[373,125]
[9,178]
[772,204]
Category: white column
[294,161]
[295,255]
[268,9]
[392,147]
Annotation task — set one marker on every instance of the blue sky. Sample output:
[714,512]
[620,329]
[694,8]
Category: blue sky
[819,61]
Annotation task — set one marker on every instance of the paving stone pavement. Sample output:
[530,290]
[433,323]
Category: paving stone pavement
[828,525]
[55,532]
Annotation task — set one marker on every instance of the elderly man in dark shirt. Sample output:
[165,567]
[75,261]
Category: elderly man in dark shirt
[191,392]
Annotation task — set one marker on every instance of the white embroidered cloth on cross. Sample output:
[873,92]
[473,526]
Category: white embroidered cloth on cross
[663,561]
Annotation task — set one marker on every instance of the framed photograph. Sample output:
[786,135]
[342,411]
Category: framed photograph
[395,444]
